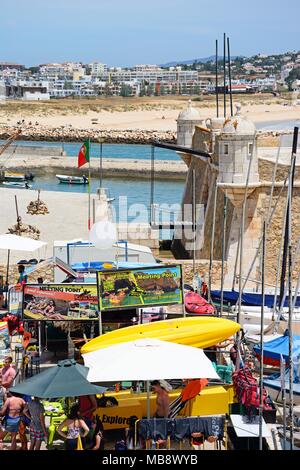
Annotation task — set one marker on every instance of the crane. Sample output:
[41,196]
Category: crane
[9,141]
[6,144]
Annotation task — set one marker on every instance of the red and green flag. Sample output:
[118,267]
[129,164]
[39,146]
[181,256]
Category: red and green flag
[84,154]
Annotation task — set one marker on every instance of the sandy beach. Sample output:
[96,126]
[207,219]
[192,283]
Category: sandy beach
[137,113]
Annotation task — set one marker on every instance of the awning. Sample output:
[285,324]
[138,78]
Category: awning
[54,261]
[16,243]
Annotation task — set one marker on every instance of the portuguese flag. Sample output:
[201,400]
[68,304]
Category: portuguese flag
[84,154]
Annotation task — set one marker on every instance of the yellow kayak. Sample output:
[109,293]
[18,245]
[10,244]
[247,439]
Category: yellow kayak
[200,332]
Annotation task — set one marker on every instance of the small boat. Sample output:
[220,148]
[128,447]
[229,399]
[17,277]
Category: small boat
[69,179]
[13,177]
[16,177]
[16,184]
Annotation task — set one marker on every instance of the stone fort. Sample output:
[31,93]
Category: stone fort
[231,144]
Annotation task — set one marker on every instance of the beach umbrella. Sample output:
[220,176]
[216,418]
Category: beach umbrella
[66,379]
[148,359]
[11,242]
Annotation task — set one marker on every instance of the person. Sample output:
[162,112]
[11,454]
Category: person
[3,395]
[7,373]
[97,442]
[49,310]
[161,388]
[130,433]
[74,425]
[12,410]
[87,406]
[34,411]
[233,350]
[22,279]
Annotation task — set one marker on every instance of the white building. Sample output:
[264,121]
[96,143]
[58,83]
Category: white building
[97,69]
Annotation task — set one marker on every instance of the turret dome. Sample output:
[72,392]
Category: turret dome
[238,124]
[189,114]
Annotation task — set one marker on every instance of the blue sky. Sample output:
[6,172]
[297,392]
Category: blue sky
[128,32]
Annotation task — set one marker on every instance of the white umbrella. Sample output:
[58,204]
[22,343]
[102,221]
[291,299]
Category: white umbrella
[148,359]
[12,242]
[16,243]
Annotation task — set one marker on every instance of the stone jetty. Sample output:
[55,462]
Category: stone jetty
[71,134]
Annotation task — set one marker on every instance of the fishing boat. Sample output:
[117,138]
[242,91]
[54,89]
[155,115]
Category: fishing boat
[69,179]
[16,177]
[16,184]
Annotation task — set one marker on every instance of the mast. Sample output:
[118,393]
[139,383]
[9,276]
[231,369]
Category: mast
[217,91]
[212,240]
[223,252]
[229,76]
[224,71]
[289,220]
[290,196]
[261,364]
[101,165]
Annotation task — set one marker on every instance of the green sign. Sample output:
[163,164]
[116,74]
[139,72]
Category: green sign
[140,287]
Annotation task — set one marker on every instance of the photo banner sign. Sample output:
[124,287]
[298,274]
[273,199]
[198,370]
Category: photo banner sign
[140,287]
[60,302]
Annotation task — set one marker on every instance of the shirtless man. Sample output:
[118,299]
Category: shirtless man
[12,409]
[162,399]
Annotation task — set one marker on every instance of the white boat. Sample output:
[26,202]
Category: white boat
[16,184]
[69,179]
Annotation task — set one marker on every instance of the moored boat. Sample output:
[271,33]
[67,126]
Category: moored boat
[69,179]
[16,184]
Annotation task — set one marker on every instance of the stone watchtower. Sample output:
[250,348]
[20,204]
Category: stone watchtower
[186,122]
[231,144]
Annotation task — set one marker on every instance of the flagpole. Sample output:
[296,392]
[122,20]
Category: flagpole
[89,187]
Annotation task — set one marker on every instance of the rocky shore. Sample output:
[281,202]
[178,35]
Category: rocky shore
[71,134]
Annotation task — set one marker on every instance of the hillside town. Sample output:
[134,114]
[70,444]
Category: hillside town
[260,73]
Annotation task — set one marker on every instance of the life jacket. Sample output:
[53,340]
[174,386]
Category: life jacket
[194,303]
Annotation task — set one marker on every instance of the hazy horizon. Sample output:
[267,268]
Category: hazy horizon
[127,33]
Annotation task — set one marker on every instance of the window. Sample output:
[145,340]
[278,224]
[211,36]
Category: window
[226,148]
[250,149]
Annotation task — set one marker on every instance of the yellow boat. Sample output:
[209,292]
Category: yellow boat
[200,332]
[213,400]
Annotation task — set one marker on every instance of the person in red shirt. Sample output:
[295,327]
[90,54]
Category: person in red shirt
[87,406]
[8,373]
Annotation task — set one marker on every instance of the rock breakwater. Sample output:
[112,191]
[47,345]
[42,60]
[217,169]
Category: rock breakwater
[71,134]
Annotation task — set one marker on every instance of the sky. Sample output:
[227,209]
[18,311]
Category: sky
[129,32]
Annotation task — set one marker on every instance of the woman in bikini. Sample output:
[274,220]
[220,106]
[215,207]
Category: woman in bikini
[75,426]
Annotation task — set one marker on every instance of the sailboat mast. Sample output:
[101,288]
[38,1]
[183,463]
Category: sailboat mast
[289,224]
[261,365]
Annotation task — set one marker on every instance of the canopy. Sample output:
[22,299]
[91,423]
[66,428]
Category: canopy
[200,332]
[279,347]
[16,243]
[274,380]
[104,265]
[148,359]
[53,261]
[248,298]
[66,379]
